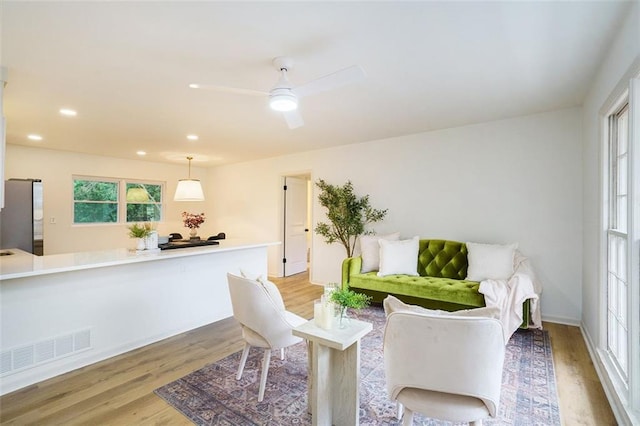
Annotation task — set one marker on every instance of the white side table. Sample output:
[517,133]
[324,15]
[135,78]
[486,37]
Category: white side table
[335,372]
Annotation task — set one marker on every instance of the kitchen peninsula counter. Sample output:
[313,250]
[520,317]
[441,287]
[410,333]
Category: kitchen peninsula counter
[22,264]
[62,312]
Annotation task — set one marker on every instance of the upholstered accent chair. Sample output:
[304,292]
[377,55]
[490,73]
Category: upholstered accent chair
[259,308]
[446,367]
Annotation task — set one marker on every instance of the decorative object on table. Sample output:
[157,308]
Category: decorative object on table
[324,309]
[151,240]
[346,299]
[189,189]
[347,214]
[212,396]
[139,232]
[193,222]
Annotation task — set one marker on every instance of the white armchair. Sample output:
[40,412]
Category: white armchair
[259,308]
[446,367]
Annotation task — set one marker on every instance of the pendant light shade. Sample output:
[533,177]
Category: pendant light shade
[189,189]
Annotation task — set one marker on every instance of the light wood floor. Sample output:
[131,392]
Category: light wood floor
[119,391]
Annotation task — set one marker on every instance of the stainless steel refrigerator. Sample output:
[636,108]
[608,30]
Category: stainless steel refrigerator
[21,219]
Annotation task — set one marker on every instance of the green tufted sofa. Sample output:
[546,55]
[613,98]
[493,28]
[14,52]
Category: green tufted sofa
[441,284]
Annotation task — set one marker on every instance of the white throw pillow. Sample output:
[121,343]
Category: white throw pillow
[490,261]
[399,257]
[370,249]
[393,304]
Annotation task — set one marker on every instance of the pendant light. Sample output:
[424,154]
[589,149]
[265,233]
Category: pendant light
[189,189]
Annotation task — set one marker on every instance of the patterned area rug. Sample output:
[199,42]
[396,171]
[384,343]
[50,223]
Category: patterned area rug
[212,395]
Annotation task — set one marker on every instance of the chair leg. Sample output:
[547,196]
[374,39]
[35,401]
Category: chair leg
[265,370]
[407,419]
[400,410]
[243,360]
[282,354]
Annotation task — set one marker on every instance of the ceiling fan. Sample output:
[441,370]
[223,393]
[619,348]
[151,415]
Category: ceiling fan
[284,96]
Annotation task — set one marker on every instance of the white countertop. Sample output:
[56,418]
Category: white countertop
[22,264]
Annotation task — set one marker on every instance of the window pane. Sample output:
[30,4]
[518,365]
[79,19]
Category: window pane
[142,192]
[622,131]
[137,212]
[612,299]
[621,207]
[93,190]
[95,212]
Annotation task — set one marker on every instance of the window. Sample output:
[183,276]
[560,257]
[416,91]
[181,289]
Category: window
[618,242]
[103,200]
[95,201]
[144,202]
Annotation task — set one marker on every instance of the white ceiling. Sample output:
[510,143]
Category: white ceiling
[125,67]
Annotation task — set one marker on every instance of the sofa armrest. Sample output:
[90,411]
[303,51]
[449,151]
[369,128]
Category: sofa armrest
[350,266]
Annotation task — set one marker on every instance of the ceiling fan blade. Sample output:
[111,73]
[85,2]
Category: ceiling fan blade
[228,89]
[350,75]
[293,119]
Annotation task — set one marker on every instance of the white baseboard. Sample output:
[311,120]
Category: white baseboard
[561,320]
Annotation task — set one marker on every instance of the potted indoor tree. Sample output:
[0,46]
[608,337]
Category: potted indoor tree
[347,213]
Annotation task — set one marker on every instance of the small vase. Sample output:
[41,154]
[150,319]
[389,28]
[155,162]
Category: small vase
[151,241]
[193,233]
[344,319]
[140,244]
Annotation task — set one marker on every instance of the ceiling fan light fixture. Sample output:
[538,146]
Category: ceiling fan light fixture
[189,189]
[283,100]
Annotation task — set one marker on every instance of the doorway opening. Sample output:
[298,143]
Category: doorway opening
[296,239]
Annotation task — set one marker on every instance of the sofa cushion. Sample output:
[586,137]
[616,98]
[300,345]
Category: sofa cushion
[462,292]
[370,249]
[399,257]
[490,261]
[443,259]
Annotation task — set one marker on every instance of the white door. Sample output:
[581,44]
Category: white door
[295,226]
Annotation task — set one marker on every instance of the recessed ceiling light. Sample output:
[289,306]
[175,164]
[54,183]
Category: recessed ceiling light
[34,137]
[141,153]
[68,112]
[192,137]
[194,86]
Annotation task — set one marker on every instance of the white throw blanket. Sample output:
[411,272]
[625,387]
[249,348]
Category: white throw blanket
[508,296]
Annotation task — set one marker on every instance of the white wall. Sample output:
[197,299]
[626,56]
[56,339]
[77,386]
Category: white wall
[56,169]
[515,180]
[623,52]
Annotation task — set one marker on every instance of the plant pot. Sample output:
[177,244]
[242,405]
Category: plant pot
[193,233]
[140,244]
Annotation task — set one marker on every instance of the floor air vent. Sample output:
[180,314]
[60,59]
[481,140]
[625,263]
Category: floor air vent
[29,356]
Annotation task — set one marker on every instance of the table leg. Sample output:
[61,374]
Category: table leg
[310,385]
[345,378]
[321,390]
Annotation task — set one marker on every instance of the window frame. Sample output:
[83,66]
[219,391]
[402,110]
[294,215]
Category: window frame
[121,199]
[625,391]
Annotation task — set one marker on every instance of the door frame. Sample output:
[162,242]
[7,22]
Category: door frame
[304,174]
